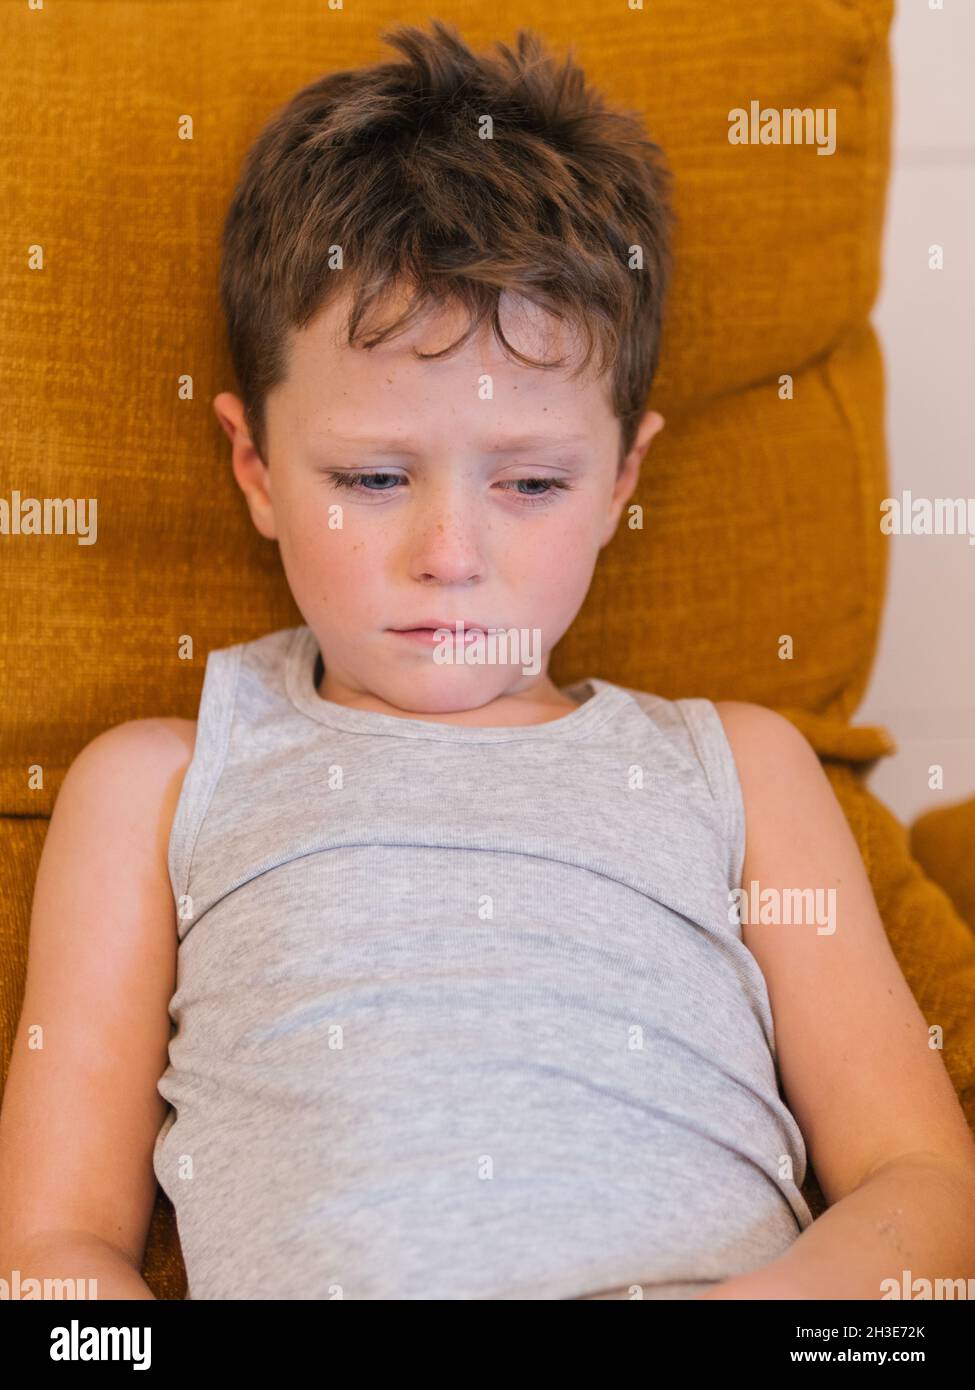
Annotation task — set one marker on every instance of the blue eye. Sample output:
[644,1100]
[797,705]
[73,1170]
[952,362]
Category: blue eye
[353,480]
[551,486]
[355,483]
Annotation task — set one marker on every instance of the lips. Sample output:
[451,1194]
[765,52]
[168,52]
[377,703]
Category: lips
[429,636]
[429,624]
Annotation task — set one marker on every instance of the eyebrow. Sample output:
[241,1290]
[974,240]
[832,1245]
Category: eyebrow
[371,444]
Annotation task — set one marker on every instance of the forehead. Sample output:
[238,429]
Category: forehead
[331,384]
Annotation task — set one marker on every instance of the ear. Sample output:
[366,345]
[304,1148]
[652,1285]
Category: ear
[629,473]
[252,474]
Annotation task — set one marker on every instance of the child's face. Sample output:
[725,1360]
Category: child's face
[444,532]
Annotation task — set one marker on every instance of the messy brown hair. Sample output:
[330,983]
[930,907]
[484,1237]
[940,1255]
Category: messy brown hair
[561,205]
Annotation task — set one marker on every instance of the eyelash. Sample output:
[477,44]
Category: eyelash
[352,481]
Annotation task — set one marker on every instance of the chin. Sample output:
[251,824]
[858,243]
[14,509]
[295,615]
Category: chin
[442,692]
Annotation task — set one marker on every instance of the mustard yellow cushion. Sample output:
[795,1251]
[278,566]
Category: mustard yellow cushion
[943,842]
[760,515]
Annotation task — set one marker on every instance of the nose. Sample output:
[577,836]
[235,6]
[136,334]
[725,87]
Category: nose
[446,539]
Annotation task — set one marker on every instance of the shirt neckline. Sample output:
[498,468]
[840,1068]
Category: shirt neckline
[302,658]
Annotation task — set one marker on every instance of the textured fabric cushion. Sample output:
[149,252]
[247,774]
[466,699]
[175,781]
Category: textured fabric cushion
[934,944]
[760,514]
[943,843]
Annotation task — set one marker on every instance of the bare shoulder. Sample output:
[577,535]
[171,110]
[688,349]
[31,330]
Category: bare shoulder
[759,732]
[785,790]
[118,797]
[124,785]
[158,743]
[81,1110]
[778,768]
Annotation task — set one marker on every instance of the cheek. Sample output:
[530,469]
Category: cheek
[330,553]
[572,555]
[311,550]
[565,549]
[322,533]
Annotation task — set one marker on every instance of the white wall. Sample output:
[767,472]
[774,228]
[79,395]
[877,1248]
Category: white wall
[923,684]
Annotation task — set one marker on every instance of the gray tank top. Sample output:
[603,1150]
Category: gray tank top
[461,1013]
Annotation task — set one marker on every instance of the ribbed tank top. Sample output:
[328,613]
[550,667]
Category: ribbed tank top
[461,1013]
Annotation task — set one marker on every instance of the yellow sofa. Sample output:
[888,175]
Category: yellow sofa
[760,504]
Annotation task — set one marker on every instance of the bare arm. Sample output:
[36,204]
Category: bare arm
[883,1127]
[912,1219]
[81,1108]
[78,1264]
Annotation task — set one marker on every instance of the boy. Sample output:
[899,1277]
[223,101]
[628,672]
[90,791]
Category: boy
[463,1005]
